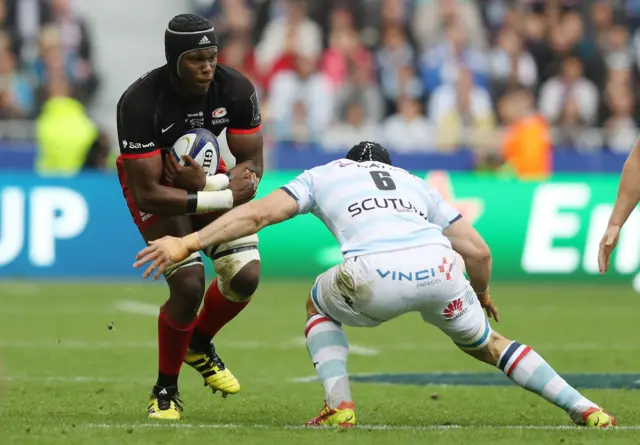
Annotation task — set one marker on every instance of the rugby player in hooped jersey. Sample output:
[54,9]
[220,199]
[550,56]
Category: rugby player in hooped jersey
[191,91]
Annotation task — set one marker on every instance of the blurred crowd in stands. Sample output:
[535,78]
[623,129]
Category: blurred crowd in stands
[508,79]
[47,75]
[45,52]
[439,75]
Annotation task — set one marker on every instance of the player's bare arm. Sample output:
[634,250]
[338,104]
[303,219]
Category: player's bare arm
[145,175]
[247,149]
[626,200]
[477,257]
[242,221]
[151,196]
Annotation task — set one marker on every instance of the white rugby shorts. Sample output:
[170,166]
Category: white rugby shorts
[368,290]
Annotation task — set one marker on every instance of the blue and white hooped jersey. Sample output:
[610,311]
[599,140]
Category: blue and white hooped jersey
[372,207]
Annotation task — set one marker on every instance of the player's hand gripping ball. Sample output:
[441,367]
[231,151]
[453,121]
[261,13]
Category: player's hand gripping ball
[193,157]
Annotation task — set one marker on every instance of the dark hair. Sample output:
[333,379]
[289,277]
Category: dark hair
[189,23]
[369,151]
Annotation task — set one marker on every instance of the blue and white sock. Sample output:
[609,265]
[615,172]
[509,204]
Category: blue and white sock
[328,348]
[527,369]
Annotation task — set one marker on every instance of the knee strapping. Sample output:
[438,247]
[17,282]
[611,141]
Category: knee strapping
[192,260]
[229,259]
[477,341]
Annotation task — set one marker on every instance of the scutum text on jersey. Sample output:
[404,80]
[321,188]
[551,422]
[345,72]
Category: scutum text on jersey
[397,204]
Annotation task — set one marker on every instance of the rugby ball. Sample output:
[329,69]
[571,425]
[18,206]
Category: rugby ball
[202,146]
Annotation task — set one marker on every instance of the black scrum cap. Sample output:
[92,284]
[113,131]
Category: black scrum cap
[369,151]
[186,33]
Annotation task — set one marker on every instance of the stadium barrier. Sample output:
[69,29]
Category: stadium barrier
[74,228]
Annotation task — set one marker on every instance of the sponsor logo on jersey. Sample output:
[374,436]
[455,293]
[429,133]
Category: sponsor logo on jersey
[419,275]
[425,277]
[218,113]
[137,145]
[454,310]
[222,121]
[398,204]
[195,120]
[446,268]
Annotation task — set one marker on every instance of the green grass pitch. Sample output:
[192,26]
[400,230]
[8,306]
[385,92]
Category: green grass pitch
[79,361]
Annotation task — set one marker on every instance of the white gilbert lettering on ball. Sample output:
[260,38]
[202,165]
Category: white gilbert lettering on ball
[551,219]
[56,213]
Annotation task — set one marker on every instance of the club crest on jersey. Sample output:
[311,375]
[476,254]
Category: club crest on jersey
[218,113]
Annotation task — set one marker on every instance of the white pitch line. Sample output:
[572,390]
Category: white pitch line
[76,344]
[19,288]
[231,426]
[308,379]
[354,349]
[296,343]
[78,379]
[138,308]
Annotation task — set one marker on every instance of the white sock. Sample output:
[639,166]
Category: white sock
[526,368]
[328,348]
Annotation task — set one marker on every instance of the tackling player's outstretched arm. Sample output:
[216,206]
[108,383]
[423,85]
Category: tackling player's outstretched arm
[626,200]
[244,220]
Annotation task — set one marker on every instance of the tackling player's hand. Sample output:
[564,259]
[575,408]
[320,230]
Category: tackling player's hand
[243,185]
[163,252]
[607,244]
[487,304]
[192,177]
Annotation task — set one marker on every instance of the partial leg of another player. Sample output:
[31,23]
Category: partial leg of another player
[175,321]
[238,267]
[472,333]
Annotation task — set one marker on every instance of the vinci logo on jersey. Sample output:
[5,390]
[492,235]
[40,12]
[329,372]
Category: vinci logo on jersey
[444,269]
[455,310]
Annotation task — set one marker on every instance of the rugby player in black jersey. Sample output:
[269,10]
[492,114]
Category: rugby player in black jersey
[191,91]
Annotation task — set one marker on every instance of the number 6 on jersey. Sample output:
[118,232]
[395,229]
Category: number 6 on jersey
[383,180]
